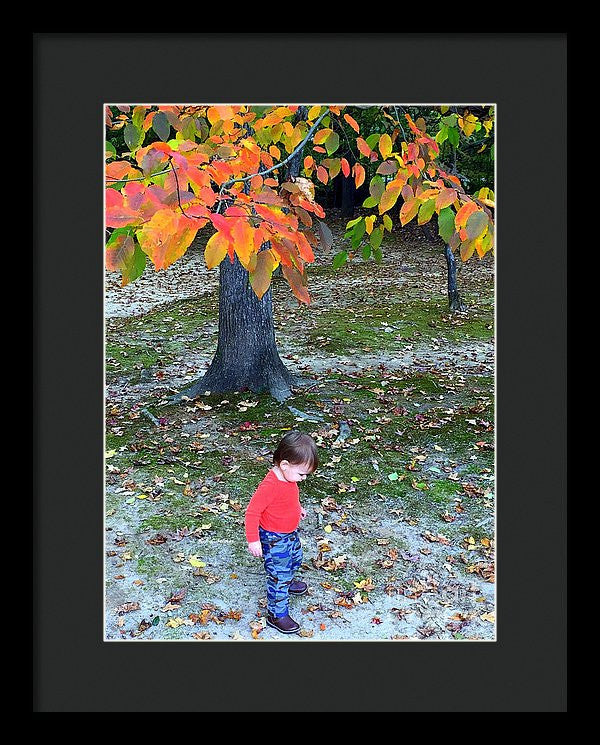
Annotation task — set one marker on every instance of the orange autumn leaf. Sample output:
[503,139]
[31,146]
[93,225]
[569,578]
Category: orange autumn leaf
[363,147]
[463,214]
[359,175]
[445,198]
[322,174]
[352,122]
[409,210]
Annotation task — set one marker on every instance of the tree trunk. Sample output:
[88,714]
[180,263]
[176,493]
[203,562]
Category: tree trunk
[454,299]
[246,356]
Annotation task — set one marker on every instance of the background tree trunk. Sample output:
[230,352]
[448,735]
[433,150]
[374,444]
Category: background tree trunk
[246,356]
[293,167]
[454,300]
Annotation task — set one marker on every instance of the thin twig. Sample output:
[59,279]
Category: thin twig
[143,178]
[178,199]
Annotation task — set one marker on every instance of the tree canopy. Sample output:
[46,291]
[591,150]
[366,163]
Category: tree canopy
[172,170]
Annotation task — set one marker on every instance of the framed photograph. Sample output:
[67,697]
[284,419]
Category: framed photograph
[395,432]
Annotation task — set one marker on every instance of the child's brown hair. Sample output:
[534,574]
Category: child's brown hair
[296,448]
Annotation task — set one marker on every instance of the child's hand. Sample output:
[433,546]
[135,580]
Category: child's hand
[303,513]
[255,548]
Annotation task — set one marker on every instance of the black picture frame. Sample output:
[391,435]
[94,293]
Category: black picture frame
[525,75]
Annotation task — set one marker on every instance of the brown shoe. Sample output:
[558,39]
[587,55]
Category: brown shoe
[285,624]
[298,588]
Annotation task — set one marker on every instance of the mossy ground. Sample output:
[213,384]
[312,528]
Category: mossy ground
[418,460]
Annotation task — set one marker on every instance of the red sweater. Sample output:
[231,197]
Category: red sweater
[274,506]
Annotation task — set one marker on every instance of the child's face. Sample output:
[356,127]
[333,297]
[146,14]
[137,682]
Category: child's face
[294,471]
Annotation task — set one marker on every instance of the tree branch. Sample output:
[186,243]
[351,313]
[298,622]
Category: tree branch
[278,165]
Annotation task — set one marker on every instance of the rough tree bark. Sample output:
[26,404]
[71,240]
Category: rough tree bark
[246,356]
[454,300]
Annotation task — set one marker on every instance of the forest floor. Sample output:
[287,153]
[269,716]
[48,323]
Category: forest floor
[399,541]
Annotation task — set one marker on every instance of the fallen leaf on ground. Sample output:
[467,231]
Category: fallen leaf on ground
[127,608]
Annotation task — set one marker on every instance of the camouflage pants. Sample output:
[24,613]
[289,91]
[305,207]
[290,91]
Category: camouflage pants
[282,555]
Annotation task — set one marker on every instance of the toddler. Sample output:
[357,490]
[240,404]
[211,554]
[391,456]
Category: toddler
[272,518]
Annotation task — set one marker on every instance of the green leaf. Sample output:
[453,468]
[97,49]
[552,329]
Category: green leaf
[332,143]
[450,121]
[377,255]
[340,259]
[189,129]
[127,230]
[425,211]
[356,241]
[372,140]
[442,135]
[135,265]
[446,224]
[133,136]
[156,620]
[160,124]
[357,232]
[366,251]
[110,148]
[263,136]
[370,202]
[453,136]
[377,237]
[353,222]
[393,476]
[139,114]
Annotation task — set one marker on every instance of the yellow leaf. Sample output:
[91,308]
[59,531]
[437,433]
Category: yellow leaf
[385,145]
[491,617]
[195,562]
[314,112]
[175,622]
[142,496]
[216,250]
[328,528]
[166,237]
[388,199]
[260,278]
[322,135]
[369,223]
[110,453]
